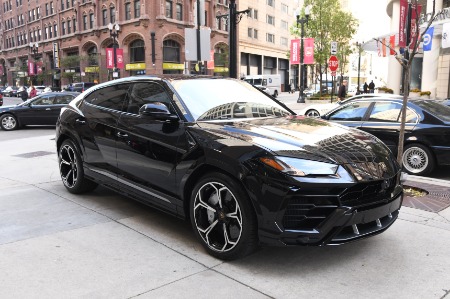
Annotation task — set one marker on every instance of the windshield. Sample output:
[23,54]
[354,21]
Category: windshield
[437,109]
[209,99]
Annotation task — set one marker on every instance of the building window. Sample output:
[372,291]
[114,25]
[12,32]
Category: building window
[55,29]
[271,3]
[284,25]
[74,25]
[137,9]
[270,20]
[63,28]
[171,54]
[69,25]
[137,51]
[92,56]
[255,14]
[38,12]
[270,38]
[91,20]
[255,34]
[180,12]
[85,22]
[62,5]
[112,14]
[169,11]
[52,8]
[284,8]
[284,41]
[128,11]
[250,32]
[45,32]
[50,31]
[46,9]
[105,17]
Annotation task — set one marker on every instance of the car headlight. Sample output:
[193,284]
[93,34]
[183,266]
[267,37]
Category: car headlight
[299,167]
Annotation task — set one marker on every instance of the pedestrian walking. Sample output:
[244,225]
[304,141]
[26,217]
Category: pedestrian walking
[33,92]
[371,87]
[23,94]
[366,87]
[342,93]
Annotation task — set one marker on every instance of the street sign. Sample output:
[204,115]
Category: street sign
[333,63]
[334,46]
[333,74]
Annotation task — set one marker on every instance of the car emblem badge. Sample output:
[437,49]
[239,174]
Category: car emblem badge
[385,185]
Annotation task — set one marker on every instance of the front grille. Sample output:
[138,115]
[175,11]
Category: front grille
[367,193]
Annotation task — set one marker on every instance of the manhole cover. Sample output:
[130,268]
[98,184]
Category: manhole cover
[34,154]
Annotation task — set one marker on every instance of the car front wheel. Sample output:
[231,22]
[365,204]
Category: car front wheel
[312,113]
[418,159]
[222,217]
[71,169]
[8,122]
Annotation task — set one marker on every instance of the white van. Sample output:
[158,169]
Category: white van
[272,82]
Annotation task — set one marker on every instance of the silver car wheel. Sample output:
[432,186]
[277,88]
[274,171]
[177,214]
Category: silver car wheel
[9,122]
[68,166]
[218,217]
[312,113]
[415,160]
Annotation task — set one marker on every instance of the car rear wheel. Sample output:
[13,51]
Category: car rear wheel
[312,113]
[418,159]
[222,217]
[275,94]
[71,169]
[8,122]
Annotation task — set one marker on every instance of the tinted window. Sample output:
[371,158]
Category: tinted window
[440,111]
[87,85]
[144,93]
[63,99]
[111,97]
[386,112]
[351,112]
[45,100]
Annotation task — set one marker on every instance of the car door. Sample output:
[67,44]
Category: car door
[351,114]
[39,112]
[59,101]
[96,127]
[147,148]
[383,121]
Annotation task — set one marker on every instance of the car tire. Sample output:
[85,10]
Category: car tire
[222,217]
[418,159]
[8,122]
[71,169]
[312,113]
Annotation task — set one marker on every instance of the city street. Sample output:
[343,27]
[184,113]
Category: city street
[55,244]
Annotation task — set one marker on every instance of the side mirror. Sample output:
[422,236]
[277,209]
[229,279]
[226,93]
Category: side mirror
[157,111]
[324,117]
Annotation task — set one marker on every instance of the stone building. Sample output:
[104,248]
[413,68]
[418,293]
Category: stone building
[75,34]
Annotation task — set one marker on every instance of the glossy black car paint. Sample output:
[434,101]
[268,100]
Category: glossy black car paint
[27,113]
[158,162]
[429,130]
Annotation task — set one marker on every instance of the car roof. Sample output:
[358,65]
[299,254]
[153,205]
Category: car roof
[74,93]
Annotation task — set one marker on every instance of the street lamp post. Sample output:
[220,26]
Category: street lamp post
[114,33]
[34,50]
[302,21]
[359,45]
[233,18]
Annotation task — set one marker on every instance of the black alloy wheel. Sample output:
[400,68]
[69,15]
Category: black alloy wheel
[71,169]
[8,122]
[222,217]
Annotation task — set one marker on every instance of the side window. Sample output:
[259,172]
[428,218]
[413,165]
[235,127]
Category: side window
[63,99]
[144,93]
[111,97]
[351,112]
[385,112]
[411,117]
[44,100]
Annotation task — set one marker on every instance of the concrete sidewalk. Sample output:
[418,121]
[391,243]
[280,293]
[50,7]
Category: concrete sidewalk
[54,244]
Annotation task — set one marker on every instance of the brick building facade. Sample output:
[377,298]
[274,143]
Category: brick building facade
[79,30]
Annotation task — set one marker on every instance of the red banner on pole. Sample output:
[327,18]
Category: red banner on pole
[414,26]
[392,44]
[402,23]
[295,51]
[210,63]
[109,58]
[308,57]
[119,53]
[31,68]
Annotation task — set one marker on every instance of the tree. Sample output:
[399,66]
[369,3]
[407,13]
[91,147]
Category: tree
[406,61]
[71,66]
[327,23]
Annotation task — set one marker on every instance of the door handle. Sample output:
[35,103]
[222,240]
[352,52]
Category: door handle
[121,135]
[80,122]
[48,109]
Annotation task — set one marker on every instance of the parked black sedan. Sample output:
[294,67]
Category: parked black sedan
[427,131]
[41,110]
[242,167]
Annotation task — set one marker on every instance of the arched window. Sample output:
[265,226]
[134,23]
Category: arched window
[137,51]
[92,56]
[171,57]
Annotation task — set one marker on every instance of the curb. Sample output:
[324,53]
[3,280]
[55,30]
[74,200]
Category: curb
[428,180]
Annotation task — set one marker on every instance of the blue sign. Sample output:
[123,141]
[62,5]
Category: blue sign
[428,39]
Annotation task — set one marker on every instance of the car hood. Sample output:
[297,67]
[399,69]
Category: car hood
[308,138]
